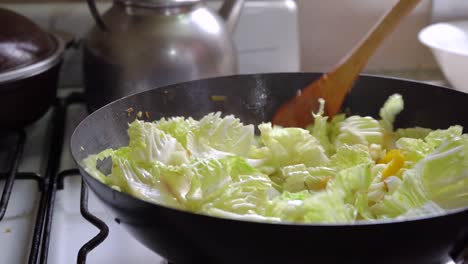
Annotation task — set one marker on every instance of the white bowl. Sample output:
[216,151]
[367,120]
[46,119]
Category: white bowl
[449,44]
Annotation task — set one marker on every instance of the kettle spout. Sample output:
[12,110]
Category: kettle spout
[230,11]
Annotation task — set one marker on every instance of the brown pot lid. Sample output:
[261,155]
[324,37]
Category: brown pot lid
[22,42]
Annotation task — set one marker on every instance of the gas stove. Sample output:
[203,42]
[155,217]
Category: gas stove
[47,214]
[50,217]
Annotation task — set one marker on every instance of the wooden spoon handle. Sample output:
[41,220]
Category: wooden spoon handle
[334,86]
[341,79]
[355,61]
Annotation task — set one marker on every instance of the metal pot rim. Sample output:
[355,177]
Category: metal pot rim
[37,67]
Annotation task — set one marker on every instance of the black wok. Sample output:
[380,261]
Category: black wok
[184,237]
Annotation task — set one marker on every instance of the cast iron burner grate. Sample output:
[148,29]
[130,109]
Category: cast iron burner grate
[103,229]
[98,223]
[41,236]
[11,149]
[39,253]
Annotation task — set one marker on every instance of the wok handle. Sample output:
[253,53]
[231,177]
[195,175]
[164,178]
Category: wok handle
[459,253]
[95,13]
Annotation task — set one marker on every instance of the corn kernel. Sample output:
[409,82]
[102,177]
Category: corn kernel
[395,161]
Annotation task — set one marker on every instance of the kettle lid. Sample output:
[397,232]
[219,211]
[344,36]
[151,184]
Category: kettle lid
[157,2]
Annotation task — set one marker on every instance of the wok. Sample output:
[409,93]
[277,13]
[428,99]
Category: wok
[184,237]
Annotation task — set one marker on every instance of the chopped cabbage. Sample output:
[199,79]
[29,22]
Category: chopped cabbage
[342,170]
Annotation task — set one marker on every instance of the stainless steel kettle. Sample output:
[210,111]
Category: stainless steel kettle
[142,44]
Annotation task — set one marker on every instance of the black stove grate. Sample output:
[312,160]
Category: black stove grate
[56,182]
[98,223]
[41,234]
[11,150]
[103,229]
[12,164]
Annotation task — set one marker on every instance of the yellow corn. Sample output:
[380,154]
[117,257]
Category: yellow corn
[324,182]
[395,160]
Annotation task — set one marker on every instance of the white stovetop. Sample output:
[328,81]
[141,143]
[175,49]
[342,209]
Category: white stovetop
[16,228]
[71,231]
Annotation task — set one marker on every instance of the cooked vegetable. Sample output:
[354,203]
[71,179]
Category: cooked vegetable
[346,169]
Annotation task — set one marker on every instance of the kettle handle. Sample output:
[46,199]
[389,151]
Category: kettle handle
[230,11]
[95,13]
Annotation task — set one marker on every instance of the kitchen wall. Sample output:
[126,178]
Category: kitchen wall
[329,29]
[260,48]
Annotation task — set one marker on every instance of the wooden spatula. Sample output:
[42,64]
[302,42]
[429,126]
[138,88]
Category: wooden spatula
[334,86]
